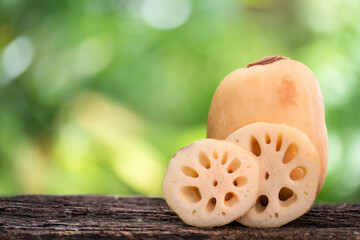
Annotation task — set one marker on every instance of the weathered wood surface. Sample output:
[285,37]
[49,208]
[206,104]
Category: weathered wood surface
[84,217]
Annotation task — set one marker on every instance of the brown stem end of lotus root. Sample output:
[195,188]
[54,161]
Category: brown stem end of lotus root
[266,60]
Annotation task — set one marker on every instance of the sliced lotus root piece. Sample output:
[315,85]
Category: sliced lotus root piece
[290,172]
[211,182]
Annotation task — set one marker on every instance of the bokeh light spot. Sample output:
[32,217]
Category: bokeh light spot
[166,14]
[92,56]
[50,68]
[72,147]
[16,58]
[335,85]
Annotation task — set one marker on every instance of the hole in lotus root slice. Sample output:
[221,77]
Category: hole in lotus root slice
[204,160]
[255,146]
[190,172]
[215,154]
[261,203]
[231,199]
[240,181]
[267,176]
[224,157]
[210,206]
[298,173]
[290,200]
[234,165]
[279,142]
[290,153]
[267,138]
[285,193]
[191,193]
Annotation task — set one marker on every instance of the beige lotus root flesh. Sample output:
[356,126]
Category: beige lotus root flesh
[290,170]
[211,182]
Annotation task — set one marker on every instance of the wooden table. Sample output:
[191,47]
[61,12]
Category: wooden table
[91,216]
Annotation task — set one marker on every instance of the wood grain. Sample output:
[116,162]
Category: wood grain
[91,216]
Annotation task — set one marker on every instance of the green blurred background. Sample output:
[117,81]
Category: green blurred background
[96,96]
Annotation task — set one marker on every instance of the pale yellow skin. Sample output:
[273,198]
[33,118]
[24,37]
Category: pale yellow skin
[285,91]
